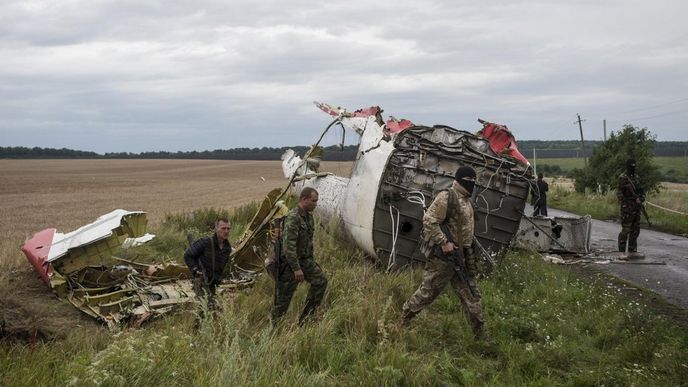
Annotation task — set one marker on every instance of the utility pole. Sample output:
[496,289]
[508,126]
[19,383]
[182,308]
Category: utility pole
[534,163]
[580,126]
[604,126]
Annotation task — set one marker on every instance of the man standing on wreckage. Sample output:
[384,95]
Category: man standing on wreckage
[446,241]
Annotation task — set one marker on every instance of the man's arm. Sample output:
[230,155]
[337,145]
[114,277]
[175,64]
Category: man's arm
[193,254]
[435,216]
[290,238]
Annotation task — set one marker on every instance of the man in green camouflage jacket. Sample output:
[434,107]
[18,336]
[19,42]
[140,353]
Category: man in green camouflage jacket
[631,197]
[299,263]
[457,214]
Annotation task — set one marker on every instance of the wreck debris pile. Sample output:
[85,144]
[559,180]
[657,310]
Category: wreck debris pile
[81,269]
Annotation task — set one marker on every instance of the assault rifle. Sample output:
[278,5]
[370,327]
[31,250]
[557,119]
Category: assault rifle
[642,203]
[642,208]
[457,259]
[277,226]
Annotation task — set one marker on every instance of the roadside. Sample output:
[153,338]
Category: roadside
[668,280]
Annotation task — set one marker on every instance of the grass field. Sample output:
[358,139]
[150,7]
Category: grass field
[673,168]
[549,327]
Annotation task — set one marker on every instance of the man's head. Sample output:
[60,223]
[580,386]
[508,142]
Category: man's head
[308,199]
[541,175]
[465,176]
[630,166]
[222,227]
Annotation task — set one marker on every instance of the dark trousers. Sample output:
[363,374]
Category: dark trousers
[630,229]
[286,286]
[540,207]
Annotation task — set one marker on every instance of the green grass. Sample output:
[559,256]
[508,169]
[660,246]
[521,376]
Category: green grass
[606,207]
[672,169]
[549,328]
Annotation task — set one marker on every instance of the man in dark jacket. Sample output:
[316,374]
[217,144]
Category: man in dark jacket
[207,258]
[540,196]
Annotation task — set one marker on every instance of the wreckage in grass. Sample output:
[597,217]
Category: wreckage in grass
[399,168]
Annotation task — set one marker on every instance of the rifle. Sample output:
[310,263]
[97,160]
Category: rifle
[642,208]
[642,204]
[277,226]
[457,259]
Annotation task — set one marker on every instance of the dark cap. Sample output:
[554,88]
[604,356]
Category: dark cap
[464,171]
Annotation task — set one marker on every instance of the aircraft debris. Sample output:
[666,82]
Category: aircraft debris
[399,168]
[81,269]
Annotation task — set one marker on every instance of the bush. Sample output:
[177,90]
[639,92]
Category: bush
[608,161]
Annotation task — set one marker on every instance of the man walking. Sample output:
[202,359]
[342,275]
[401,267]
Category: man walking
[452,211]
[207,258]
[631,197]
[297,246]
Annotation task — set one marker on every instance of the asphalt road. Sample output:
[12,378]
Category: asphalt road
[669,281]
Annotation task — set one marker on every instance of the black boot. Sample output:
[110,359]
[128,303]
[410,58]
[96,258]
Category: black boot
[406,316]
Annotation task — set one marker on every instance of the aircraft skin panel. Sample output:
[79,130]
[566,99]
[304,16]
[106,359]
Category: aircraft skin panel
[37,249]
[422,164]
[359,202]
[99,229]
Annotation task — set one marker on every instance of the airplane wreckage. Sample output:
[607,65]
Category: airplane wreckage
[398,169]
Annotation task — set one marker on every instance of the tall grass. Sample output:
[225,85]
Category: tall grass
[549,328]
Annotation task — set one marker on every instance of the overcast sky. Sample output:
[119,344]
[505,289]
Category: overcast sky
[138,75]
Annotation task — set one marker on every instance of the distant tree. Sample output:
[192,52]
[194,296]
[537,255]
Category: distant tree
[608,161]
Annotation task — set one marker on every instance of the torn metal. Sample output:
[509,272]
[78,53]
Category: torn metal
[399,168]
[558,235]
[81,269]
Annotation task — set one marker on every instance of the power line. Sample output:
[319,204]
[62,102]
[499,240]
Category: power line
[647,107]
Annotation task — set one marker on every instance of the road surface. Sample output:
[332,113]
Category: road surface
[669,281]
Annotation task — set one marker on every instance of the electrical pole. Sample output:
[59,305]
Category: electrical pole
[604,126]
[580,126]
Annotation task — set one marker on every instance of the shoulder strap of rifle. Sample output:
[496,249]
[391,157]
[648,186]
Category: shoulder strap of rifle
[212,248]
[451,205]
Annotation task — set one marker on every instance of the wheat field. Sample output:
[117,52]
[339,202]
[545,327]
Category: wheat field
[66,194]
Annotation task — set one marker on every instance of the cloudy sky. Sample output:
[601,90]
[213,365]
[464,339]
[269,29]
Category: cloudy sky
[138,75]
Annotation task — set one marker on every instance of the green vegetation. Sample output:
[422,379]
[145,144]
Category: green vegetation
[606,207]
[549,328]
[608,161]
[671,169]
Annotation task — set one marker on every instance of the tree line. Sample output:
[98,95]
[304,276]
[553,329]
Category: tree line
[543,149]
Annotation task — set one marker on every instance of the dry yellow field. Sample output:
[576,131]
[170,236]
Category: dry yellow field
[66,194]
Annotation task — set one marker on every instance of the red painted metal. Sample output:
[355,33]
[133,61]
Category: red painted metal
[501,140]
[37,249]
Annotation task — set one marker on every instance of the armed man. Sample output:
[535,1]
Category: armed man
[207,258]
[299,263]
[447,237]
[631,202]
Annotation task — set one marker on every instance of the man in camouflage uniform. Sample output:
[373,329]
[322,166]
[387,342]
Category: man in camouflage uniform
[631,197]
[457,214]
[300,265]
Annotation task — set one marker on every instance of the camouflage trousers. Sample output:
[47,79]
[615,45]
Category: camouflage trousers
[630,229]
[286,286]
[438,273]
